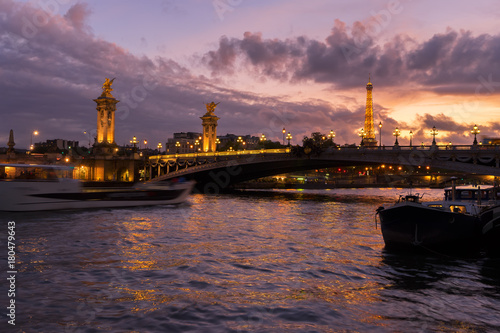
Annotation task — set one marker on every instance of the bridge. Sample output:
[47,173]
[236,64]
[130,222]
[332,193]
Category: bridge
[216,171]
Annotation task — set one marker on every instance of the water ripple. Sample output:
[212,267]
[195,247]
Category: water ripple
[265,261]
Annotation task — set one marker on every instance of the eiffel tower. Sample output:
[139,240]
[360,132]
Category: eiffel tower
[369,131]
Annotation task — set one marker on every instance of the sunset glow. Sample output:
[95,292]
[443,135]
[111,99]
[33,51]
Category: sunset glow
[271,64]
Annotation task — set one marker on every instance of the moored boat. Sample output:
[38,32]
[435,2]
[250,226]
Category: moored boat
[491,230]
[43,187]
[451,225]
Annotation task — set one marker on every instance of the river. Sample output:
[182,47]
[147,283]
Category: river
[250,261]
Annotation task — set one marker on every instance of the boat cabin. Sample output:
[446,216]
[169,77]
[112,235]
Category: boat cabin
[470,193]
[410,198]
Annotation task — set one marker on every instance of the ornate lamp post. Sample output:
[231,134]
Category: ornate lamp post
[134,142]
[240,140]
[434,132]
[411,135]
[396,133]
[217,142]
[177,145]
[289,137]
[331,136]
[362,134]
[284,131]
[196,144]
[145,144]
[380,133]
[263,137]
[475,131]
[160,146]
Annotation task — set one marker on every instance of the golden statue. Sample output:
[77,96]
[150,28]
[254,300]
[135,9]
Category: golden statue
[210,108]
[106,88]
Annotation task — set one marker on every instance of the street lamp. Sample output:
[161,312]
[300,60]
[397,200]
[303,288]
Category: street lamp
[396,133]
[331,135]
[177,145]
[160,146]
[35,133]
[289,137]
[283,135]
[475,131]
[263,137]
[362,135]
[134,142]
[434,132]
[380,132]
[411,135]
[88,133]
[196,144]
[240,140]
[145,144]
[217,142]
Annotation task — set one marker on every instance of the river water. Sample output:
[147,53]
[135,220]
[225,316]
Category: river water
[252,261]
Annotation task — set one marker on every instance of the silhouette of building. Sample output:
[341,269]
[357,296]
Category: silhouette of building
[186,143]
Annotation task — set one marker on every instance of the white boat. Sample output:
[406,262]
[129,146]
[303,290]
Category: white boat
[25,187]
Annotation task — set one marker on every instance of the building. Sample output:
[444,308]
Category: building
[490,141]
[56,145]
[184,143]
[238,142]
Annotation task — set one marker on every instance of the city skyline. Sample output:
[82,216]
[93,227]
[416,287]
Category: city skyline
[270,64]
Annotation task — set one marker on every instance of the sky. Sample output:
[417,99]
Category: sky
[301,65]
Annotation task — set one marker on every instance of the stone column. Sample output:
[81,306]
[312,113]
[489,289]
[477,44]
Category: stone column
[209,123]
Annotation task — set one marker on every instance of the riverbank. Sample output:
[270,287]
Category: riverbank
[319,186]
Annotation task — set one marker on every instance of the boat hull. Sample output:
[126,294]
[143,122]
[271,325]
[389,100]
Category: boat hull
[41,196]
[415,226]
[491,230]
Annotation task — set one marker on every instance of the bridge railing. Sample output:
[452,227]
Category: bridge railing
[350,148]
[221,153]
[429,147]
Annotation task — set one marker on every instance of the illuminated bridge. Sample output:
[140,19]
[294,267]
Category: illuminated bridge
[214,171]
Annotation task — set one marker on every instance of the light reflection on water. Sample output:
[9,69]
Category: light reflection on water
[264,261]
